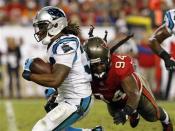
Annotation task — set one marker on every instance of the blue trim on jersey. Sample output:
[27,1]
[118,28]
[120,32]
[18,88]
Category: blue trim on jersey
[75,57]
[171,24]
[54,49]
[85,102]
[69,39]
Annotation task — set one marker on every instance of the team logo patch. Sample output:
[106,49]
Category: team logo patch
[55,12]
[66,48]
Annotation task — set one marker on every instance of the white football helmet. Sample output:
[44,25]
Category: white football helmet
[49,21]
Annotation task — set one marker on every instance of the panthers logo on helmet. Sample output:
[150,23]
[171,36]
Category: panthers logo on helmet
[55,12]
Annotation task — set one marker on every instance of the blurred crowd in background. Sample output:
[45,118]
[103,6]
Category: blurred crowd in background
[124,16]
[85,12]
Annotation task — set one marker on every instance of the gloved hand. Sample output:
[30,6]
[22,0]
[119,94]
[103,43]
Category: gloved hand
[50,105]
[50,95]
[169,61]
[26,73]
[120,117]
[170,64]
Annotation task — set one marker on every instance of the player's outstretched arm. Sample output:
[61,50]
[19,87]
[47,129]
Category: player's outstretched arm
[130,88]
[59,73]
[157,38]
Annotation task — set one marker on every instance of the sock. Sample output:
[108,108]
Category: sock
[166,121]
[164,118]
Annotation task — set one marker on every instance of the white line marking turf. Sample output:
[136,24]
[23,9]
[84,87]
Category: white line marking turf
[10,116]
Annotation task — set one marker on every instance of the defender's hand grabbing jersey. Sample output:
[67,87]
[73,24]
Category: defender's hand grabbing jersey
[67,51]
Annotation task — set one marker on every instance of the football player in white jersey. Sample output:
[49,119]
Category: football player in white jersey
[162,33]
[166,30]
[70,73]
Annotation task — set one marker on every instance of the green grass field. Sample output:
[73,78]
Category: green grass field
[27,112]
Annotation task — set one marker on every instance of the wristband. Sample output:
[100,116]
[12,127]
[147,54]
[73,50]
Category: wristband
[128,110]
[50,91]
[26,75]
[164,55]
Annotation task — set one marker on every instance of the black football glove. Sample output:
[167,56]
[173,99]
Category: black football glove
[122,116]
[50,105]
[50,95]
[170,64]
[26,73]
[169,61]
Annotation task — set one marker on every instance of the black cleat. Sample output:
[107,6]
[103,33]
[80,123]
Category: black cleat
[167,127]
[134,119]
[97,128]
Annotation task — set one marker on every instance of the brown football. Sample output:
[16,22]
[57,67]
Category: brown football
[38,66]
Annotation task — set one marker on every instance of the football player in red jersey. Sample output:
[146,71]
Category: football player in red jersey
[125,91]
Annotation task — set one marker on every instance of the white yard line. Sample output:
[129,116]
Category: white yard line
[10,117]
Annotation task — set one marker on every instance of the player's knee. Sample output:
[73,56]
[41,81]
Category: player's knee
[60,112]
[40,126]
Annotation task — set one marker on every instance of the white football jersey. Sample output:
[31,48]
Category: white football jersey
[67,50]
[169,21]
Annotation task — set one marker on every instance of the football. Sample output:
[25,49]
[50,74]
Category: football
[38,66]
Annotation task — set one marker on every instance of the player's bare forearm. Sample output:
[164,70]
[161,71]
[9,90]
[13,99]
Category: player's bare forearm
[132,91]
[54,79]
[47,80]
[157,38]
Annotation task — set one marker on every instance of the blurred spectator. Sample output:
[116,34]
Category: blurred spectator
[130,46]
[3,14]
[147,62]
[14,12]
[170,90]
[96,12]
[74,18]
[29,12]
[127,7]
[13,65]
[121,30]
[113,15]
[87,13]
[102,18]
[157,8]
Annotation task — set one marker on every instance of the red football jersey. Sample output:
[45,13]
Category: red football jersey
[110,90]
